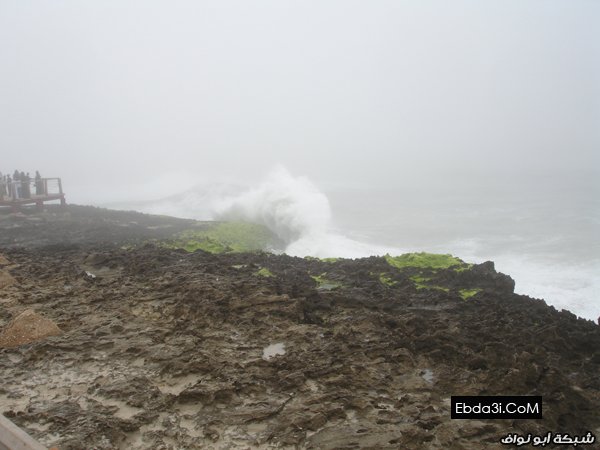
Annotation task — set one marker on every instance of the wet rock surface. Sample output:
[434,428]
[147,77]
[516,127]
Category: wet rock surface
[166,349]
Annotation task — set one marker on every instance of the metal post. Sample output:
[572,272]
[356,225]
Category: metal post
[63,202]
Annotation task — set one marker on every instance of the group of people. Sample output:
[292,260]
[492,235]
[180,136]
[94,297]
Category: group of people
[19,185]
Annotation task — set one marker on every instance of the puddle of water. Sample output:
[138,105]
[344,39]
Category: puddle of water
[15,404]
[15,359]
[273,350]
[190,427]
[351,416]
[177,385]
[124,411]
[256,428]
[427,375]
[188,409]
[79,389]
[48,439]
[312,385]
[138,362]
[328,286]
[38,427]
[135,439]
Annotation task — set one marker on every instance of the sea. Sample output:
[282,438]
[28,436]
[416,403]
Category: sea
[550,245]
[545,235]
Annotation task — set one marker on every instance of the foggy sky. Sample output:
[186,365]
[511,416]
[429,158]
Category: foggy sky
[348,92]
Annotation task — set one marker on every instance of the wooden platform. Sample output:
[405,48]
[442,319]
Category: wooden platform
[48,189]
[34,200]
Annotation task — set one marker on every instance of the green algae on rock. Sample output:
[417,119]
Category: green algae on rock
[324,283]
[225,237]
[327,260]
[264,272]
[431,271]
[424,283]
[418,279]
[424,260]
[386,280]
[468,293]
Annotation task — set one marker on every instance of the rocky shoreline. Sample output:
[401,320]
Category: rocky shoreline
[166,349]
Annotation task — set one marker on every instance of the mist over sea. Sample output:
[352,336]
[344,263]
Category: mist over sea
[545,235]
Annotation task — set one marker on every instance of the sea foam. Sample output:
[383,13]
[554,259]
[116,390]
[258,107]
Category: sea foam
[298,213]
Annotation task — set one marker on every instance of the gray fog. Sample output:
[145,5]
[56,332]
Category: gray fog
[115,94]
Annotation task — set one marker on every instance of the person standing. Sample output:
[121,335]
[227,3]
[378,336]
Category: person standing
[39,184]
[17,185]
[9,188]
[26,180]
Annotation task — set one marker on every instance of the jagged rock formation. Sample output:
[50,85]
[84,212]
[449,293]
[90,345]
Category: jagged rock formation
[167,349]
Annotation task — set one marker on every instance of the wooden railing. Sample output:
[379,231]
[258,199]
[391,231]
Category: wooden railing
[17,193]
[14,438]
[18,190]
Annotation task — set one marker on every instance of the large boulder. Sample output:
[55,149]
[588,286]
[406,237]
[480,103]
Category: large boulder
[3,260]
[6,279]
[27,327]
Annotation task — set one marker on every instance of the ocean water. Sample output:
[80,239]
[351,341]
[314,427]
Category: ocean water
[549,243]
[546,236]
